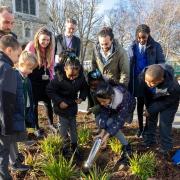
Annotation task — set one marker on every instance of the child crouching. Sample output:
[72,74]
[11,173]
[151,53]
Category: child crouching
[117,106]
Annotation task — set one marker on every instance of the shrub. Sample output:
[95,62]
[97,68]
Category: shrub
[143,165]
[115,145]
[60,169]
[51,145]
[83,135]
[96,174]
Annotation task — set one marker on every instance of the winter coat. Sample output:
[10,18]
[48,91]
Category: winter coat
[8,87]
[21,120]
[117,67]
[61,89]
[165,94]
[121,108]
[154,55]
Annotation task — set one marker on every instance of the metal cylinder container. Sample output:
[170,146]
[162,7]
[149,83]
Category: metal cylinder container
[96,146]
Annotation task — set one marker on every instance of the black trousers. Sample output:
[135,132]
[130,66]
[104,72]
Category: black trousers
[140,110]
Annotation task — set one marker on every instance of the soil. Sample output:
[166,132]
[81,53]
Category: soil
[165,169]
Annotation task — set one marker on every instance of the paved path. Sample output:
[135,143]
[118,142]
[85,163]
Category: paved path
[176,124]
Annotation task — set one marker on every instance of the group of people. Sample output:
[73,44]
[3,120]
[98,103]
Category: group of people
[50,71]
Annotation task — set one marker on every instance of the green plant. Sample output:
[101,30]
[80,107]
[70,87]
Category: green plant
[143,165]
[51,145]
[83,135]
[60,169]
[96,174]
[115,145]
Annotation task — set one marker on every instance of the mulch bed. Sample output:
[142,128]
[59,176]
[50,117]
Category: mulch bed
[165,169]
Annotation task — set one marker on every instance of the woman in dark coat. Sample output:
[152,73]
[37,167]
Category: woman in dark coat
[143,52]
[42,47]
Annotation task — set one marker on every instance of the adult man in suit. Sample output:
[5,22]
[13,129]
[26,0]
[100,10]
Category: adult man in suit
[68,41]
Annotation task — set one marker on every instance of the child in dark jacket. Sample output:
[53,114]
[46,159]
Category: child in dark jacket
[162,94]
[9,54]
[117,106]
[23,116]
[63,90]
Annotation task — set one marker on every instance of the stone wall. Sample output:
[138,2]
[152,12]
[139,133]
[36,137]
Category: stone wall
[23,21]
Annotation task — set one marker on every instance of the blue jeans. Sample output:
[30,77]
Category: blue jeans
[165,127]
[68,124]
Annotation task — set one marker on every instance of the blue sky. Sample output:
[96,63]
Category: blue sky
[107,4]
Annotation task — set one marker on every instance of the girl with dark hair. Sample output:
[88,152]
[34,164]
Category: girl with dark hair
[117,106]
[63,90]
[143,52]
[41,76]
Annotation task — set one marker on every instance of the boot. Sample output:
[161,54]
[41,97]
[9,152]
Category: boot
[126,153]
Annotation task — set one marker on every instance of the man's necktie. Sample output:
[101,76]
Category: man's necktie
[142,50]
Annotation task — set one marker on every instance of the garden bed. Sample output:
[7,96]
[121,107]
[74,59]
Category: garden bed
[164,168]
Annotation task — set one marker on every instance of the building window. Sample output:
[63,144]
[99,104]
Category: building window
[27,32]
[26,6]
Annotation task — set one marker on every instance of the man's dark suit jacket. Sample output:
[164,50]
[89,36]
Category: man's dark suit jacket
[62,46]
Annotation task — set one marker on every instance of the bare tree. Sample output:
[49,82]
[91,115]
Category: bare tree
[164,22]
[84,11]
[57,11]
[162,16]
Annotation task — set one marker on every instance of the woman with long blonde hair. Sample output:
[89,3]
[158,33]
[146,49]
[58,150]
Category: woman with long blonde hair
[42,47]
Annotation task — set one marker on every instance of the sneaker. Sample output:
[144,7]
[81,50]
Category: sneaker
[39,133]
[139,134]
[17,166]
[148,144]
[20,157]
[165,153]
[29,143]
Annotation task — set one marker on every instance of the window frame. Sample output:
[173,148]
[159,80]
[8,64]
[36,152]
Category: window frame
[28,14]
